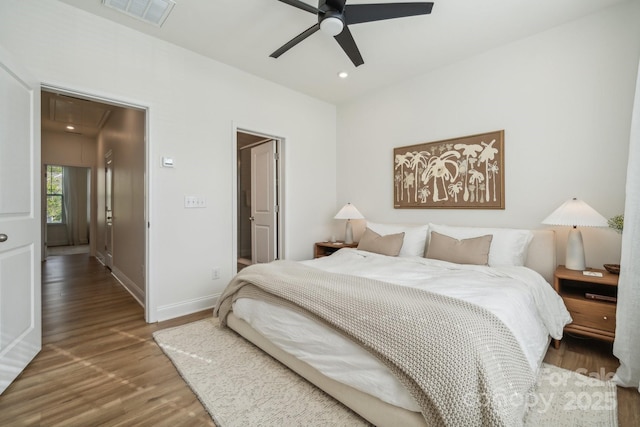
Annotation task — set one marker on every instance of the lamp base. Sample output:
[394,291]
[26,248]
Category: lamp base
[348,233]
[575,251]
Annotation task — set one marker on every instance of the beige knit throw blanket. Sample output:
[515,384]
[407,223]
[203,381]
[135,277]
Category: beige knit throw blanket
[458,360]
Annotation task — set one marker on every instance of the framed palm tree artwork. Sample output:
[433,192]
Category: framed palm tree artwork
[466,173]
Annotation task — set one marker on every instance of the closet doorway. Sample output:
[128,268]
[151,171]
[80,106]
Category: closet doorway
[258,199]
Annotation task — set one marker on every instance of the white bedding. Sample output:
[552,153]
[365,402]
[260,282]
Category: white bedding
[520,297]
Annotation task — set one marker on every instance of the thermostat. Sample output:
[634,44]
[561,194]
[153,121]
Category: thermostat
[167,162]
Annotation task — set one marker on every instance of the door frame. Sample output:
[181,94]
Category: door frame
[280,190]
[119,101]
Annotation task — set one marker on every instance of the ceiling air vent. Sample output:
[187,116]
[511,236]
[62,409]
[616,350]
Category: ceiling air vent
[152,11]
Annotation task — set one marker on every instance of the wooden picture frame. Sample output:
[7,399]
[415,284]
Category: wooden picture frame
[458,173]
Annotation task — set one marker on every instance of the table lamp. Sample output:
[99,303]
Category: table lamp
[348,212]
[575,213]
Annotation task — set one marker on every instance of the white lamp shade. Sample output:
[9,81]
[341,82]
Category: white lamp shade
[576,213]
[349,211]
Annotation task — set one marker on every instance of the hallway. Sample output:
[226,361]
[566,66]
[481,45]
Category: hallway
[99,364]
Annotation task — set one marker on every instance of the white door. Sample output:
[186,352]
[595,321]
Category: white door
[108,206]
[264,210]
[20,251]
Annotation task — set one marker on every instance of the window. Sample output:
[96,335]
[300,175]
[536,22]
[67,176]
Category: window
[55,194]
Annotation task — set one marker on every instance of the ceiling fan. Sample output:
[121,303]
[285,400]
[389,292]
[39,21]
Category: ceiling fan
[334,18]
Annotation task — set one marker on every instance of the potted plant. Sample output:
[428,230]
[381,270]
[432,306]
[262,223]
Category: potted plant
[617,223]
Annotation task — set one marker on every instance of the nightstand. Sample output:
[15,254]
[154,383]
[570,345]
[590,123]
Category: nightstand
[321,249]
[591,301]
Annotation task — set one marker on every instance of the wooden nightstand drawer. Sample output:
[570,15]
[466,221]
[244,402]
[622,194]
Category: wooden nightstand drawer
[595,318]
[592,314]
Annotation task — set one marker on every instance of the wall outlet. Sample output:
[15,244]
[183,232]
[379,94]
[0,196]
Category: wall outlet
[215,274]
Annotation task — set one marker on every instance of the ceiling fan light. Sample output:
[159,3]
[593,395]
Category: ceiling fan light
[332,26]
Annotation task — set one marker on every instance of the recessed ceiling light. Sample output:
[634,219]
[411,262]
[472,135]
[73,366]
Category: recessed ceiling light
[152,11]
[70,127]
[343,74]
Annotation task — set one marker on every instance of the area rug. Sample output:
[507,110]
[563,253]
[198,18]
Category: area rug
[240,385]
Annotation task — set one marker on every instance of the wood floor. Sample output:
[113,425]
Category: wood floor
[595,358]
[99,364]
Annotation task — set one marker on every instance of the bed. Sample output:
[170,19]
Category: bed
[478,339]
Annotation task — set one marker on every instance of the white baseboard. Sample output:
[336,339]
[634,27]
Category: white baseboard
[100,258]
[129,285]
[183,308]
[165,312]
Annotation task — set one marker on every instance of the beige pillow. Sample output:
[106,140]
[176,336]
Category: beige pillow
[466,251]
[389,244]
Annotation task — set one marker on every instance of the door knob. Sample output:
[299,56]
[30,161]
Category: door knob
[251,218]
[3,238]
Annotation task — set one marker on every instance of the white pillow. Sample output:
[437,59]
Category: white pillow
[415,236]
[508,247]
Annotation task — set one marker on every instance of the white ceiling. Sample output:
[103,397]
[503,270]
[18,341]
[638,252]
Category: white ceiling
[243,33]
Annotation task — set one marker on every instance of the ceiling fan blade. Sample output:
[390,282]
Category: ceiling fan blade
[348,44]
[301,5]
[294,41]
[359,13]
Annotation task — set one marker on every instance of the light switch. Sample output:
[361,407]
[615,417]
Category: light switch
[167,162]
[195,202]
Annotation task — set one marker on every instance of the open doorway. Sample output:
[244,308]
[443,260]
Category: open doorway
[79,130]
[259,212]
[68,210]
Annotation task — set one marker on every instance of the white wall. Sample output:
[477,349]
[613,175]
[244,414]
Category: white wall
[564,99]
[193,105]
